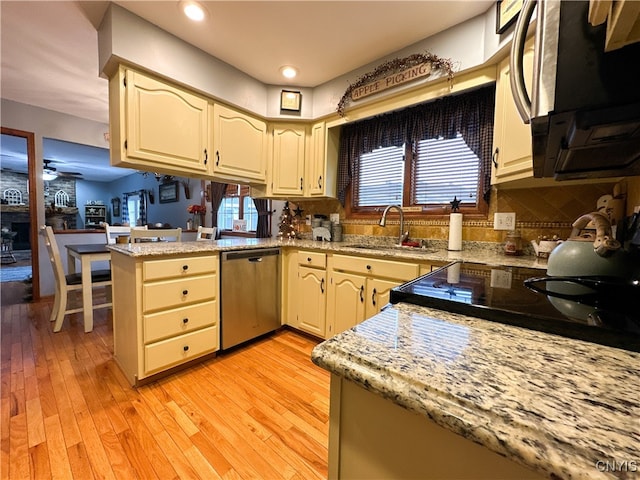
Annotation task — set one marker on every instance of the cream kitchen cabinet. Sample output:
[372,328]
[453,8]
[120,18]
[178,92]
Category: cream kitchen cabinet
[288,160]
[239,145]
[165,312]
[320,171]
[311,292]
[359,287]
[155,126]
[512,158]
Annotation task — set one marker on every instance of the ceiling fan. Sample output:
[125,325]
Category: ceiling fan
[49,173]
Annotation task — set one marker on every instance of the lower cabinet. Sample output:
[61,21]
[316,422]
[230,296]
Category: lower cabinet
[359,287]
[310,293]
[165,312]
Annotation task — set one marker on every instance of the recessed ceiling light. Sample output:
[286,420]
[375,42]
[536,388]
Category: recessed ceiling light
[193,10]
[288,71]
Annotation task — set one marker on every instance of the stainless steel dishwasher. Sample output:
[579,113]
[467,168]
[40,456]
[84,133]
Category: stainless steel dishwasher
[249,294]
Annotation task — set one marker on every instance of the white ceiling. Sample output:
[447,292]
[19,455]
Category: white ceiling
[50,49]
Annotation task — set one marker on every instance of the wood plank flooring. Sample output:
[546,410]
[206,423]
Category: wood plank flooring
[257,412]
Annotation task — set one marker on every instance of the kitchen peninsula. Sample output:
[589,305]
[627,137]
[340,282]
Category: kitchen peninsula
[501,399]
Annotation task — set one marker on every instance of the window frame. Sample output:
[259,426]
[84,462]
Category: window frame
[431,211]
[245,192]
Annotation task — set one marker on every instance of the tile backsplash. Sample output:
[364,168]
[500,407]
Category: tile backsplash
[539,211]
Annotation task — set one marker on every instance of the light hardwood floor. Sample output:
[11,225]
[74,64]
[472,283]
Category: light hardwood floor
[260,411]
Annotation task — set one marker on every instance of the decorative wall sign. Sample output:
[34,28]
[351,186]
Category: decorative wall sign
[393,73]
[507,13]
[290,100]
[168,192]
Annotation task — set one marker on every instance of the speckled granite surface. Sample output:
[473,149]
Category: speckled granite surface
[553,404]
[432,253]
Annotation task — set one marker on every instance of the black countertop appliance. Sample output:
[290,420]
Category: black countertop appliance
[598,310]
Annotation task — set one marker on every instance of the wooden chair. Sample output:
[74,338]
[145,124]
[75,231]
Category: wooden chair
[69,283]
[206,233]
[112,232]
[156,233]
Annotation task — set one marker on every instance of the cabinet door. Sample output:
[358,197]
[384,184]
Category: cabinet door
[312,300]
[316,163]
[347,305]
[239,145]
[378,294]
[166,127]
[288,160]
[512,137]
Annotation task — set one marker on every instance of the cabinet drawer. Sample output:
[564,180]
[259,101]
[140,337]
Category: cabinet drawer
[175,293]
[179,321]
[375,267]
[166,353]
[312,259]
[178,267]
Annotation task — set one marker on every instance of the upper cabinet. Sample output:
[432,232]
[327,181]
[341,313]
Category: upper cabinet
[320,169]
[623,21]
[155,126]
[239,148]
[288,160]
[512,157]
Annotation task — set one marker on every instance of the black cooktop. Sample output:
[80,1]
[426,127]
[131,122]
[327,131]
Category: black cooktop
[499,294]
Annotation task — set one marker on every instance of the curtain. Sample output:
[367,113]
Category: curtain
[217,194]
[471,114]
[142,210]
[262,206]
[125,209]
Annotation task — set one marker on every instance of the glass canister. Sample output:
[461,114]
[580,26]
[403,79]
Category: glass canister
[513,244]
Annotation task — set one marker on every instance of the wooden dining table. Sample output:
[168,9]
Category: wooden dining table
[86,253]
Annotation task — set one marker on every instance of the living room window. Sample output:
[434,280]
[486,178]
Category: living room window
[423,156]
[238,204]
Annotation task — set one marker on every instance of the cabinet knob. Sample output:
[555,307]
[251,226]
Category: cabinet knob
[185,348]
[368,267]
[185,267]
[185,292]
[308,259]
[494,157]
[185,320]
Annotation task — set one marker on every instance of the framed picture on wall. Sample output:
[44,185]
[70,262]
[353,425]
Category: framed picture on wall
[168,192]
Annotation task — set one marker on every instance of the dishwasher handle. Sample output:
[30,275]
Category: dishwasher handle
[253,255]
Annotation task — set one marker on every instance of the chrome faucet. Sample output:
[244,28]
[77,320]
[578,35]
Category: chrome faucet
[383,222]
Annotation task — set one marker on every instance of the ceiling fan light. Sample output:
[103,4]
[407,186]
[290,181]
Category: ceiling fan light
[193,10]
[48,176]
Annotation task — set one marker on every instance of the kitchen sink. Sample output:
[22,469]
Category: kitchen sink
[384,248]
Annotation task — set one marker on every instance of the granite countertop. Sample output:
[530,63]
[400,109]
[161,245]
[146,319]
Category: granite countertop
[431,254]
[553,404]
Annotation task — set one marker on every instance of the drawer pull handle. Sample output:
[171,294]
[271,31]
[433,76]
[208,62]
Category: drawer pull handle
[186,348]
[368,267]
[373,297]
[322,286]
[185,292]
[185,320]
[185,267]
[361,293]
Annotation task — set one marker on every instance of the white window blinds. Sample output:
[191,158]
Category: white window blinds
[380,177]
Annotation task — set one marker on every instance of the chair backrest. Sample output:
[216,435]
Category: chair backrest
[112,232]
[54,254]
[162,233]
[206,233]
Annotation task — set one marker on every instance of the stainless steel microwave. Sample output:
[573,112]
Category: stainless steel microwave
[584,108]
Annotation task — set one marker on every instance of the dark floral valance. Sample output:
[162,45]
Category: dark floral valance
[469,113]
